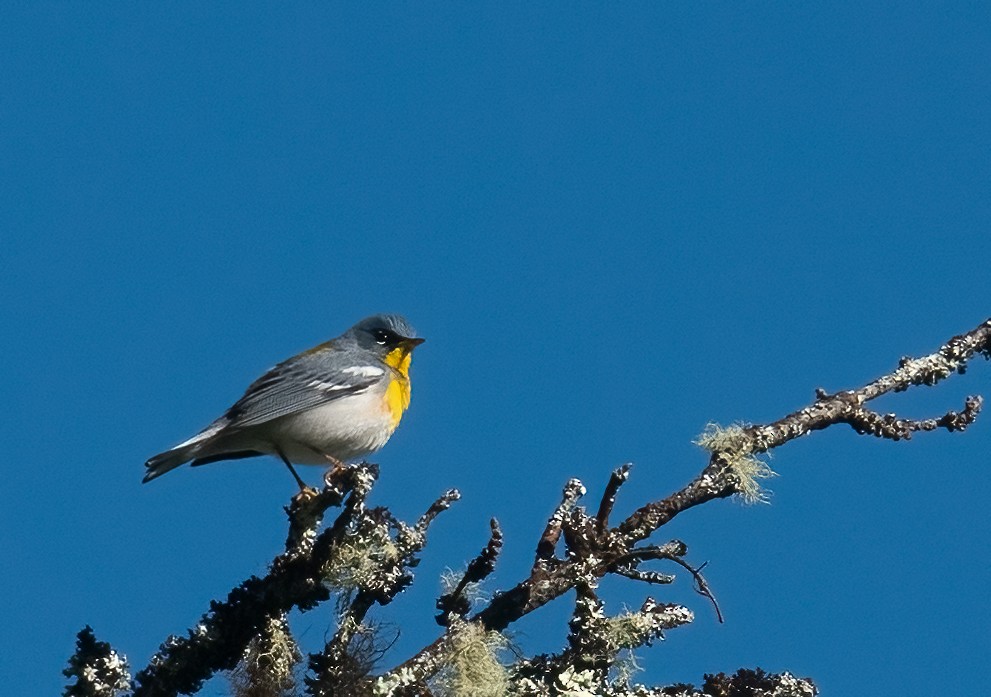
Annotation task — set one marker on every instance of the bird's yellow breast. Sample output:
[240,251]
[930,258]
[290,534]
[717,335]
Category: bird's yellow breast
[398,392]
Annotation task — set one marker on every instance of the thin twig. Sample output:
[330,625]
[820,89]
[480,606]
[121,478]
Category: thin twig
[701,587]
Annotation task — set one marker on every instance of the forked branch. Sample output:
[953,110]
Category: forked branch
[304,575]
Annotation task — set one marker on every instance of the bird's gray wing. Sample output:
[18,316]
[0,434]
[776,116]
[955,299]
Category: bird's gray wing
[300,383]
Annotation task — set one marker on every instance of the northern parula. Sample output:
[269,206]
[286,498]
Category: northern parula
[338,401]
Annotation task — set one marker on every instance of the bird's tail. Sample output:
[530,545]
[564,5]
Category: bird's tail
[180,454]
[168,461]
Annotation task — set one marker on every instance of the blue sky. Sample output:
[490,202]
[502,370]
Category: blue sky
[612,224]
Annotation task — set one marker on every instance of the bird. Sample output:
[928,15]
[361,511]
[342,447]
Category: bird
[336,402]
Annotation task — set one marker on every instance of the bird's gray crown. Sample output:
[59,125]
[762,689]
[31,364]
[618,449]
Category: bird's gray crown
[396,324]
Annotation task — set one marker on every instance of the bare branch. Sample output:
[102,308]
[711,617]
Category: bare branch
[701,587]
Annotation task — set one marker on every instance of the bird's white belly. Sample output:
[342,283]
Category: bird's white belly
[347,429]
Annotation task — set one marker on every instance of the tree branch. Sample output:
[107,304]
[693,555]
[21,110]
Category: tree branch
[730,470]
[370,554]
[478,568]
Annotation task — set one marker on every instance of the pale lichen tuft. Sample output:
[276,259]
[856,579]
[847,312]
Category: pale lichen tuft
[472,667]
[358,561]
[266,668]
[624,668]
[735,448]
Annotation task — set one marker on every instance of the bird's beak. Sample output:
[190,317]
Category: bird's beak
[409,344]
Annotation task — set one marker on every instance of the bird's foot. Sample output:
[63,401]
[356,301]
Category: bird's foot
[337,470]
[306,494]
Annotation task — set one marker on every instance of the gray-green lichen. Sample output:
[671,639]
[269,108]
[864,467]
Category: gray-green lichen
[736,449]
[471,663]
[357,562]
[267,666]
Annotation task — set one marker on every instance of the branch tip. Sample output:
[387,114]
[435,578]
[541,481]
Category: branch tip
[572,491]
[456,602]
[616,480]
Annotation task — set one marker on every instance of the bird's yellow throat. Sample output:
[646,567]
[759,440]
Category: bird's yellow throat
[398,392]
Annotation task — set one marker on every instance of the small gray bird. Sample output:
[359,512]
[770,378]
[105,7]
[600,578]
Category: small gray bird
[336,402]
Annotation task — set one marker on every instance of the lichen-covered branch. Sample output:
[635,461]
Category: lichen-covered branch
[573,491]
[743,683]
[456,602]
[827,410]
[99,671]
[732,469]
[616,480]
[295,579]
[371,566]
[267,666]
[366,556]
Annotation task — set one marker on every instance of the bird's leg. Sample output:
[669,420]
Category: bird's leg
[336,469]
[292,470]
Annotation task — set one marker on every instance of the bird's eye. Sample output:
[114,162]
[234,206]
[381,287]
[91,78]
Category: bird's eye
[381,337]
